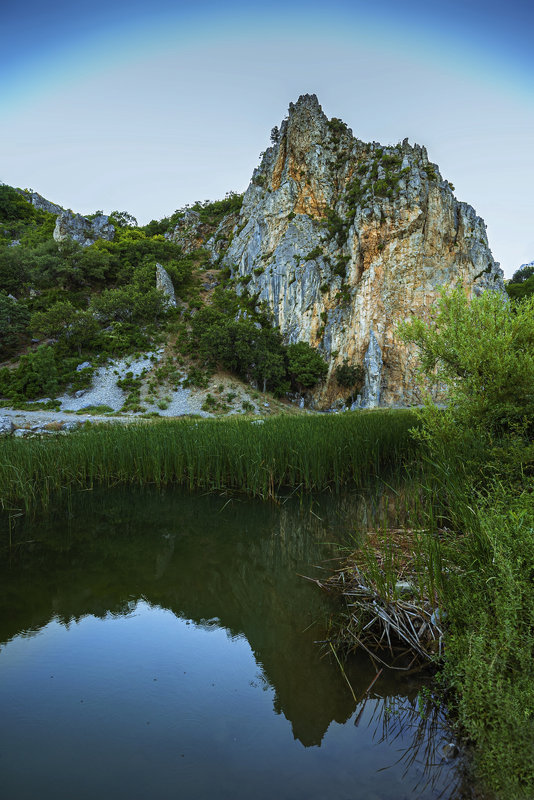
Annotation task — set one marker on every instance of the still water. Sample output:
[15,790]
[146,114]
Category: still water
[164,645]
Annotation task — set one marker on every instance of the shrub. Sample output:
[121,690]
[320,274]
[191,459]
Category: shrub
[484,352]
[348,375]
[305,365]
[13,325]
[35,376]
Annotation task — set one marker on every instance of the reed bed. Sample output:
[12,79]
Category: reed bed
[259,457]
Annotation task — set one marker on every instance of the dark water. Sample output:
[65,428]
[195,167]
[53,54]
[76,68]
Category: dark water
[164,646]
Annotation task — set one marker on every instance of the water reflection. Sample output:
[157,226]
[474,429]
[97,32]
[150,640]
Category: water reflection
[219,563]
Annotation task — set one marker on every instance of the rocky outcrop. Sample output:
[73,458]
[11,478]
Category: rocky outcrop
[344,239]
[41,203]
[82,230]
[372,363]
[165,285]
[190,232]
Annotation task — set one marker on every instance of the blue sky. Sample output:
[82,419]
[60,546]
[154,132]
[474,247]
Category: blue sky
[148,106]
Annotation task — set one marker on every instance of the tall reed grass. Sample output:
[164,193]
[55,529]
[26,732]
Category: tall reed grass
[259,457]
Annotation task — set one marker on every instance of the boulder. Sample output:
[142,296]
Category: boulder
[6,426]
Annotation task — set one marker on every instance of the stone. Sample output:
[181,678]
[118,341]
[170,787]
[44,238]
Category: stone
[372,364]
[83,365]
[405,587]
[165,285]
[83,230]
[70,425]
[449,751]
[381,258]
[6,426]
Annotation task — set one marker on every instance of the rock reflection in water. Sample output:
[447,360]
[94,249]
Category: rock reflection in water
[218,562]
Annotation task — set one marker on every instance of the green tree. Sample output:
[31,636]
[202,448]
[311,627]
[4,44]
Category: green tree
[82,331]
[36,375]
[521,289]
[54,321]
[128,304]
[305,365]
[13,269]
[523,274]
[349,375]
[13,325]
[483,351]
[123,219]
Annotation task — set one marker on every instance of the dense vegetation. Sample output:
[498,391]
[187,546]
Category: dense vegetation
[480,463]
[79,302]
[521,284]
[93,302]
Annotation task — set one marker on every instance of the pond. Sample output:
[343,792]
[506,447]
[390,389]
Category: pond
[165,645]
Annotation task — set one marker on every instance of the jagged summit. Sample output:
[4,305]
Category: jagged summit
[344,239]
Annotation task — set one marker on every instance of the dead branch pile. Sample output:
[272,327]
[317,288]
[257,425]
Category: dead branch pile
[386,612]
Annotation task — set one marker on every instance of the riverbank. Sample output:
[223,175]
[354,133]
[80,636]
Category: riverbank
[455,590]
[255,456]
[473,544]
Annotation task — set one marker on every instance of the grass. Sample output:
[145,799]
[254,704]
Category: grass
[490,645]
[102,409]
[468,550]
[259,457]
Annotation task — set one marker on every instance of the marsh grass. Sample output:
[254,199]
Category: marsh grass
[490,643]
[259,457]
[458,574]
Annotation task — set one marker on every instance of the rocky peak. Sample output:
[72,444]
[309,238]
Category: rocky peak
[344,239]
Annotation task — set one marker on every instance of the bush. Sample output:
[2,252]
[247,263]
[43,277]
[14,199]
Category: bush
[483,350]
[305,365]
[347,375]
[13,325]
[36,376]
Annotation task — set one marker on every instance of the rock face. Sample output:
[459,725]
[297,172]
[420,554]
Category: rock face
[83,230]
[41,203]
[345,239]
[164,284]
[189,233]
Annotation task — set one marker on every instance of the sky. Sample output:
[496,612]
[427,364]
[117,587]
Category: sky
[146,107]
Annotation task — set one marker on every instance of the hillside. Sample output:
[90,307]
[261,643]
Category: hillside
[296,289]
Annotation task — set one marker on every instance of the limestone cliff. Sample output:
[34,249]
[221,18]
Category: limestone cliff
[345,239]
